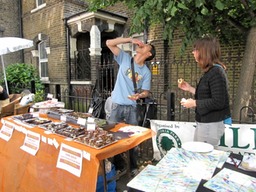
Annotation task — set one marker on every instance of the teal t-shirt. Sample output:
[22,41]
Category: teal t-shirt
[124,84]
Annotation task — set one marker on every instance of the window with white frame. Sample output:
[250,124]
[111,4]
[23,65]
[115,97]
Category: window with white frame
[39,5]
[39,2]
[43,61]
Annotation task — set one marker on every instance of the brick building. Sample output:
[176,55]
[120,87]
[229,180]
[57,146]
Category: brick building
[69,43]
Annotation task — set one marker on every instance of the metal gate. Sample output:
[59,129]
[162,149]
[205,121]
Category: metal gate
[164,86]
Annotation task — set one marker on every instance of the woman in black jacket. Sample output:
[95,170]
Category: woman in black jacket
[4,97]
[211,101]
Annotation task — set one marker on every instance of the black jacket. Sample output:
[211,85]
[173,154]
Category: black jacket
[212,98]
[4,95]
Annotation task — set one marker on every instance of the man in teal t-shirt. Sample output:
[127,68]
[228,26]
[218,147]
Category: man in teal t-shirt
[123,96]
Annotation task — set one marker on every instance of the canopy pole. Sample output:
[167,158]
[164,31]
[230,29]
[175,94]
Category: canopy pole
[6,84]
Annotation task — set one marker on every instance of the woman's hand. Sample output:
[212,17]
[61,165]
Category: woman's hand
[185,86]
[188,103]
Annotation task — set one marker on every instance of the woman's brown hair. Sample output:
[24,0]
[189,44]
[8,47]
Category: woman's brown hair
[209,52]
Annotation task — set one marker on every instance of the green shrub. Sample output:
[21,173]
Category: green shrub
[20,76]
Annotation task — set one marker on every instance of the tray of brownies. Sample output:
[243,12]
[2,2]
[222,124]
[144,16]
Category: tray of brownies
[97,138]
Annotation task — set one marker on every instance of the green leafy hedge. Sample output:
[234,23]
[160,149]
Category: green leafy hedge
[20,76]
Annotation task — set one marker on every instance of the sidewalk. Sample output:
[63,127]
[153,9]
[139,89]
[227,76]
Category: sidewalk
[145,156]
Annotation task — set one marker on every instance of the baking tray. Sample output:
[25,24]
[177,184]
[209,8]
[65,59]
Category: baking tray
[53,115]
[70,132]
[96,139]
[36,121]
[53,126]
[94,147]
[22,117]
[63,129]
[102,123]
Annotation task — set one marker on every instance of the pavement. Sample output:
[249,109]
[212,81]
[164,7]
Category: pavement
[121,185]
[145,156]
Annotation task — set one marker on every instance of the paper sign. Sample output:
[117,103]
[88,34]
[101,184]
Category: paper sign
[81,121]
[44,139]
[24,130]
[91,126]
[55,143]
[60,104]
[55,100]
[90,120]
[18,128]
[87,155]
[90,110]
[8,123]
[50,141]
[49,96]
[31,142]
[36,114]
[63,118]
[6,132]
[70,159]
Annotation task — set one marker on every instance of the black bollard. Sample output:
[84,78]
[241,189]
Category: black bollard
[170,106]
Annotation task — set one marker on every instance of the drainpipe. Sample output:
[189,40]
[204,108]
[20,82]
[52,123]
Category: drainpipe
[20,26]
[1,31]
[145,36]
[146,30]
[68,55]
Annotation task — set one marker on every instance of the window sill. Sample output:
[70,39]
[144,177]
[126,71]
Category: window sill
[45,79]
[38,8]
[76,82]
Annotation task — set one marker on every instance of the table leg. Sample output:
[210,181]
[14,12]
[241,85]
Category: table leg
[128,164]
[105,184]
[127,171]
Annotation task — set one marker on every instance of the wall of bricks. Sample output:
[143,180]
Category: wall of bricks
[182,65]
[121,9]
[10,27]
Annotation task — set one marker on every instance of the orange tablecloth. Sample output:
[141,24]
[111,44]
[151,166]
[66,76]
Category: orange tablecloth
[20,171]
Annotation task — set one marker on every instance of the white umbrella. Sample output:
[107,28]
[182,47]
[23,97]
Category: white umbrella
[9,45]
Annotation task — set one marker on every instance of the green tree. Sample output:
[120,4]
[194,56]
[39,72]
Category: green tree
[229,20]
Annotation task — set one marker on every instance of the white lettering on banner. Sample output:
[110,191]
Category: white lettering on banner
[238,138]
